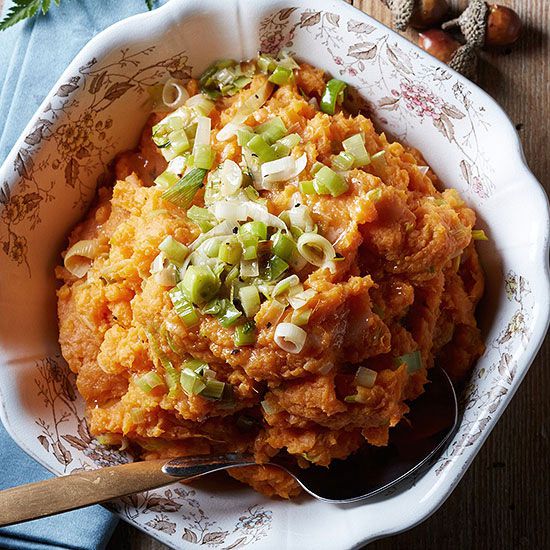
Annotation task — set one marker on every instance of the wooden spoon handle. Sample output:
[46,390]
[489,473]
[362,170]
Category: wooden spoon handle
[61,494]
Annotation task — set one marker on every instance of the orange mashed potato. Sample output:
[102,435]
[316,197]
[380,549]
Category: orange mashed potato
[409,280]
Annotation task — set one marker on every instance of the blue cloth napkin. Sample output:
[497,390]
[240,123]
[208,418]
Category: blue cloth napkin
[32,57]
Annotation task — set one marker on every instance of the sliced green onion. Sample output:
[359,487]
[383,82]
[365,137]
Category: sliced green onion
[333,94]
[290,337]
[300,317]
[298,297]
[259,229]
[479,235]
[343,161]
[202,217]
[245,335]
[272,130]
[283,246]
[258,146]
[149,381]
[413,361]
[307,187]
[365,377]
[200,283]
[281,75]
[182,193]
[315,249]
[230,251]
[213,389]
[175,251]
[250,300]
[229,316]
[191,382]
[355,146]
[166,179]
[183,307]
[328,179]
[275,268]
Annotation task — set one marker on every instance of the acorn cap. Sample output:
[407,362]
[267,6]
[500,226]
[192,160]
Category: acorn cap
[464,61]
[472,23]
[401,11]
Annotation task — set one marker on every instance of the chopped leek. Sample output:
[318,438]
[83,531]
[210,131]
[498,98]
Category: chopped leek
[355,146]
[283,146]
[365,377]
[213,389]
[250,300]
[149,381]
[266,63]
[183,307]
[275,268]
[328,179]
[229,316]
[175,251]
[245,335]
[203,156]
[191,382]
[256,228]
[290,337]
[315,249]
[249,243]
[343,161]
[307,187]
[283,246]
[259,147]
[182,193]
[202,217]
[166,179]
[272,130]
[333,94]
[230,251]
[244,136]
[413,361]
[200,283]
[301,316]
[281,75]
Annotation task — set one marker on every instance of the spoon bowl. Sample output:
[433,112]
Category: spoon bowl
[429,424]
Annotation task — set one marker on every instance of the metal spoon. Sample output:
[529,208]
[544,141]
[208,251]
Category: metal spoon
[413,442]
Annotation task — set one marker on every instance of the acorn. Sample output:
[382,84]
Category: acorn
[439,43]
[428,13]
[503,26]
[485,24]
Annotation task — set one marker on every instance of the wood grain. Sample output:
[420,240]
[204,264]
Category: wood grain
[503,502]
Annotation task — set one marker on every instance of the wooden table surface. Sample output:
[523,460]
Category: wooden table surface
[503,502]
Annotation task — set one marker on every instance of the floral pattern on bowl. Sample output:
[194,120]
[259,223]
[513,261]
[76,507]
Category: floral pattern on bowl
[98,108]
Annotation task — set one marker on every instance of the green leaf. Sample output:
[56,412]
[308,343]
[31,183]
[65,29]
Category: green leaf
[149,3]
[23,9]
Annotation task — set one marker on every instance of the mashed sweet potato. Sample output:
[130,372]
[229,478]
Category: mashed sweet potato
[408,280]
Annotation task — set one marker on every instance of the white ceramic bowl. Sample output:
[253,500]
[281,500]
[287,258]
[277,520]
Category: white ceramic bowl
[98,108]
